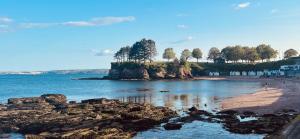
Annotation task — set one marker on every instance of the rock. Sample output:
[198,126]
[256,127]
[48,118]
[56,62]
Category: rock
[72,102]
[192,109]
[249,114]
[143,89]
[228,112]
[97,101]
[93,118]
[28,100]
[2,107]
[172,126]
[55,99]
[5,136]
[164,91]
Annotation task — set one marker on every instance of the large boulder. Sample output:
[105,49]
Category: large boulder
[172,126]
[55,99]
[28,100]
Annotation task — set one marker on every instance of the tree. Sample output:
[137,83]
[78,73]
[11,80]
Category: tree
[214,53]
[143,50]
[237,53]
[186,54]
[227,53]
[243,56]
[126,51]
[135,52]
[266,52]
[197,53]
[251,54]
[169,54]
[290,53]
[151,51]
[117,56]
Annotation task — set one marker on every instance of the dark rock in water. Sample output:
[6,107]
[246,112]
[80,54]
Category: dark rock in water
[246,114]
[172,126]
[249,113]
[192,109]
[262,124]
[72,102]
[5,136]
[229,112]
[143,89]
[200,112]
[99,101]
[50,116]
[164,91]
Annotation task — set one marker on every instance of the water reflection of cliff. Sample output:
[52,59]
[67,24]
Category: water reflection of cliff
[176,101]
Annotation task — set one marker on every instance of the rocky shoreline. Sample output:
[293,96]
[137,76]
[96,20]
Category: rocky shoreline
[50,116]
[246,122]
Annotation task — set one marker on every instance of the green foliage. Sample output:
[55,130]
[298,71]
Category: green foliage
[140,51]
[169,54]
[236,53]
[250,54]
[266,52]
[214,53]
[123,54]
[197,53]
[185,55]
[290,53]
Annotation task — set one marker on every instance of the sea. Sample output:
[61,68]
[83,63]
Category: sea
[178,95]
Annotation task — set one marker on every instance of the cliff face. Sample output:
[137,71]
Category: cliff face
[148,72]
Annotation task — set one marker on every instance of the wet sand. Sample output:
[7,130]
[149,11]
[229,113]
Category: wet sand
[280,94]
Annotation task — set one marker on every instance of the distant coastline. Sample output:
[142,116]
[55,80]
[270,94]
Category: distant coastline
[73,71]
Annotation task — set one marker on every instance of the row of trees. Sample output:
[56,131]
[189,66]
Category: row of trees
[145,50]
[233,53]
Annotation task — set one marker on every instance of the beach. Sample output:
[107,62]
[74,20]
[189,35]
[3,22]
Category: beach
[279,94]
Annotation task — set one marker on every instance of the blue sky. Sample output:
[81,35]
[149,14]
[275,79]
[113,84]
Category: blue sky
[83,34]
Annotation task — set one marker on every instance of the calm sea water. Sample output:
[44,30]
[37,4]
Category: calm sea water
[182,95]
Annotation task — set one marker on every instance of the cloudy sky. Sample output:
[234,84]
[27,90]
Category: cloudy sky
[84,34]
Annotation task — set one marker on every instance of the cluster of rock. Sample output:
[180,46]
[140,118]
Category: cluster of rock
[143,73]
[50,116]
[259,124]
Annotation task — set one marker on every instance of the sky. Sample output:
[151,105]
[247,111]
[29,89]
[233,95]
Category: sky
[38,35]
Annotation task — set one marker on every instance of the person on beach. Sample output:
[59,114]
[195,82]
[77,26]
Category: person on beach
[266,86]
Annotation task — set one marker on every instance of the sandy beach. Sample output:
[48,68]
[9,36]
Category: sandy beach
[280,94]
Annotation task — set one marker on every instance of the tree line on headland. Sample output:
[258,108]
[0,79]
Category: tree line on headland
[145,50]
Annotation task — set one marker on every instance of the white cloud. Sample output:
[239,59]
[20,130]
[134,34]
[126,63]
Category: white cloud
[37,25]
[189,38]
[5,20]
[102,21]
[182,26]
[78,23]
[99,21]
[105,52]
[242,5]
